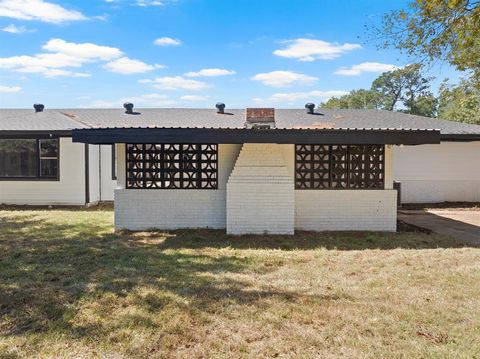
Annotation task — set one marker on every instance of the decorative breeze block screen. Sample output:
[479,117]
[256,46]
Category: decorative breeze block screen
[172,166]
[339,166]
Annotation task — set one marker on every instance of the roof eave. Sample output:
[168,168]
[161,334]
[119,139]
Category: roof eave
[239,136]
[34,133]
[461,137]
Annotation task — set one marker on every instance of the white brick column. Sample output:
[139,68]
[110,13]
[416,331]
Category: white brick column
[260,192]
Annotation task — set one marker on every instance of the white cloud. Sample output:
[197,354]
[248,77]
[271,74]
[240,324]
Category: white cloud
[297,96]
[38,10]
[210,73]
[13,29]
[311,49]
[127,66]
[62,55]
[284,78]
[87,51]
[66,73]
[147,100]
[356,70]
[167,41]
[193,98]
[176,83]
[8,89]
[145,3]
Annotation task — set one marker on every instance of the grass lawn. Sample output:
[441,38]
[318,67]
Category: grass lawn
[70,287]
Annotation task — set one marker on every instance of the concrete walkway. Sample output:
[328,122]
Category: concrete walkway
[463,225]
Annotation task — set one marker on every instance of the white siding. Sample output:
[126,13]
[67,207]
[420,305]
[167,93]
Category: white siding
[172,209]
[94,171]
[108,184]
[69,190]
[449,171]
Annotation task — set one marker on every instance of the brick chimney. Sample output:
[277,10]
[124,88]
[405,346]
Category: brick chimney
[260,118]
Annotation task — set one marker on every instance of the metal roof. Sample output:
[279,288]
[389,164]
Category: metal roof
[68,119]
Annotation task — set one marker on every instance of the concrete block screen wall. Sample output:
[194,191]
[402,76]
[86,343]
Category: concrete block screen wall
[256,194]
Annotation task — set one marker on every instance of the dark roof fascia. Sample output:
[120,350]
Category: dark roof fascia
[35,134]
[239,136]
[462,137]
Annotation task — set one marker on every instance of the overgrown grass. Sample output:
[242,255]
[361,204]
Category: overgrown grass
[70,287]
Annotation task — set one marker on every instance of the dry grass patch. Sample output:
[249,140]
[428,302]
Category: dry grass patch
[70,287]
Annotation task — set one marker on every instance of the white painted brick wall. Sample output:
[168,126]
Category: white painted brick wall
[259,197]
[342,210]
[140,209]
[260,192]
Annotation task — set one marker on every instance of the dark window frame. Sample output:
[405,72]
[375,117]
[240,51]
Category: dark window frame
[173,166]
[38,158]
[324,170]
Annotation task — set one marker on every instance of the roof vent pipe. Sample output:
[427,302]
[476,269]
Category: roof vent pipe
[38,107]
[310,108]
[128,107]
[220,107]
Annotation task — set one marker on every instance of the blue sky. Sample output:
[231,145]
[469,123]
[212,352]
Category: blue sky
[189,53]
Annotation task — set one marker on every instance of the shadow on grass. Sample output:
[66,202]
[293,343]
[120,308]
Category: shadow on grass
[48,267]
[306,240]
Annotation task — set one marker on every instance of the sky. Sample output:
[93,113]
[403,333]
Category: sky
[190,53]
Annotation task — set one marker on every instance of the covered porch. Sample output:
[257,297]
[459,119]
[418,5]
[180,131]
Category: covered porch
[256,181]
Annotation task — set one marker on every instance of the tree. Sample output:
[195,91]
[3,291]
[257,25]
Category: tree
[356,99]
[459,102]
[432,30]
[408,87]
[404,90]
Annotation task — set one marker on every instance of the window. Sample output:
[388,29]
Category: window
[29,158]
[339,166]
[172,166]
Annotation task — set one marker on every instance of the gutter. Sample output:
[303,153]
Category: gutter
[461,137]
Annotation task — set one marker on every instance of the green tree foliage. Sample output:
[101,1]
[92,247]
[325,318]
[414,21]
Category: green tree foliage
[432,30]
[405,86]
[356,99]
[404,89]
[459,102]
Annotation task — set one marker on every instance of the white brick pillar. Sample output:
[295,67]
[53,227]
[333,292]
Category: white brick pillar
[260,192]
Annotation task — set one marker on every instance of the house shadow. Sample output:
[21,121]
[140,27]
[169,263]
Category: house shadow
[415,238]
[439,222]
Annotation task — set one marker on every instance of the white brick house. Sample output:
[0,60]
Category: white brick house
[260,175]
[250,171]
